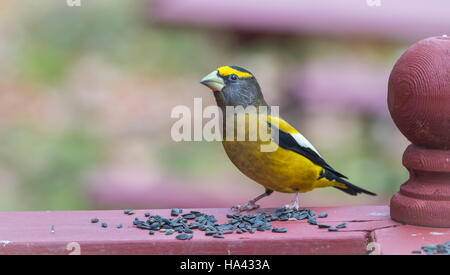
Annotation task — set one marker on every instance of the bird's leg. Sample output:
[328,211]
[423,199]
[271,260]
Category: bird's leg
[293,204]
[251,204]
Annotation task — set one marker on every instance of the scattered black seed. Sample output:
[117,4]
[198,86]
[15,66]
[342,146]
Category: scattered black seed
[442,249]
[189,216]
[240,223]
[128,212]
[322,215]
[119,225]
[279,230]
[417,251]
[94,220]
[104,224]
[321,225]
[175,212]
[342,225]
[182,236]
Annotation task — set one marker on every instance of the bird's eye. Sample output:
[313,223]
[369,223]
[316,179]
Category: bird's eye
[233,77]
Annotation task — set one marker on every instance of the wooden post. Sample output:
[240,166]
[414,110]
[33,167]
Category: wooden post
[419,103]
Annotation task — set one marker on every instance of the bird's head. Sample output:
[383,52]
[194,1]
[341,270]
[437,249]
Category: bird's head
[234,86]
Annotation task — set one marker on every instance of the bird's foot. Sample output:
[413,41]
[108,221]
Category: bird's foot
[247,207]
[294,204]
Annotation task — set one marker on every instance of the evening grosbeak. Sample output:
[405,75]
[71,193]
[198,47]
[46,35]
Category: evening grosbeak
[295,166]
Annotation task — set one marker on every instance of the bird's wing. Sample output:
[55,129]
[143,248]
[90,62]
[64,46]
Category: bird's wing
[289,138]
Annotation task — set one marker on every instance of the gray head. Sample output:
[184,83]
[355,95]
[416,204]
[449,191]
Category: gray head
[234,86]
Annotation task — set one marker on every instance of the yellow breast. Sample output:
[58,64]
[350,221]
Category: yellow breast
[281,170]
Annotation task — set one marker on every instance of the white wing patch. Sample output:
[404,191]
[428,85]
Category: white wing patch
[302,141]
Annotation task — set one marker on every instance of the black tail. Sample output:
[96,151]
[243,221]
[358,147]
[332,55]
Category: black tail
[349,189]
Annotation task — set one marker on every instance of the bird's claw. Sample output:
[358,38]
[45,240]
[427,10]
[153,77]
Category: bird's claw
[247,207]
[293,205]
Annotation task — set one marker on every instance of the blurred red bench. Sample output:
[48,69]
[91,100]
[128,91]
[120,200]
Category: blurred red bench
[396,20]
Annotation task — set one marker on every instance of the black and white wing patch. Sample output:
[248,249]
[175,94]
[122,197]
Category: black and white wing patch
[299,144]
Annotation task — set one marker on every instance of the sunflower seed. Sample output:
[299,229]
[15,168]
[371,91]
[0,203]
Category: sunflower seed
[175,212]
[279,230]
[321,225]
[128,212]
[322,215]
[182,236]
[342,225]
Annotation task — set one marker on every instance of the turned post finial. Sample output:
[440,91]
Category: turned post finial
[419,103]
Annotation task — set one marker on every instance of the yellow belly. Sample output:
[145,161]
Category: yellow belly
[282,170]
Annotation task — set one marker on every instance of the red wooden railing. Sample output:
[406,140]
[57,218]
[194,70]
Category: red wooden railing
[71,232]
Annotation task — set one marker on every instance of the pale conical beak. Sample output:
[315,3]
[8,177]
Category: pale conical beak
[213,81]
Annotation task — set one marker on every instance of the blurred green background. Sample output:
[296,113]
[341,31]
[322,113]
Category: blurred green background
[86,94]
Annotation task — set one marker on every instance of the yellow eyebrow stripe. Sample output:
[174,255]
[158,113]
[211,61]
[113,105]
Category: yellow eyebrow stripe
[226,70]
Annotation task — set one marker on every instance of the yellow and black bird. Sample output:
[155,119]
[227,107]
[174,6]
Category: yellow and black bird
[295,166]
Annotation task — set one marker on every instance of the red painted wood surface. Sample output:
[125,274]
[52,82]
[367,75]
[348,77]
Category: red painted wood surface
[400,19]
[30,233]
[404,239]
[419,103]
